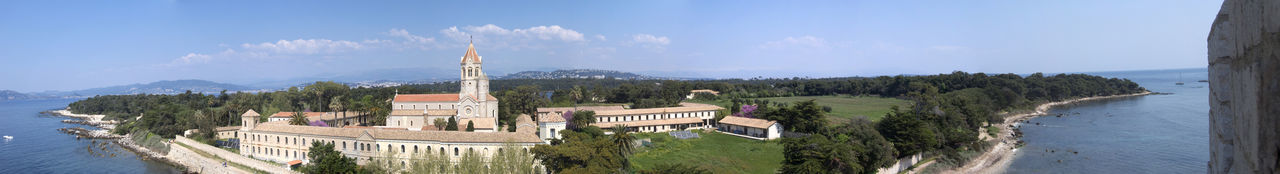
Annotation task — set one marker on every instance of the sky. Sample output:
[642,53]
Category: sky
[69,45]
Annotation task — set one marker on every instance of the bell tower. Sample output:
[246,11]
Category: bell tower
[474,82]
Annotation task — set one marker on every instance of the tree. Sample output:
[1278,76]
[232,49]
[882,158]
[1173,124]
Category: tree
[576,93]
[511,126]
[453,124]
[431,162]
[387,162]
[471,127]
[586,150]
[582,119]
[298,118]
[909,134]
[623,141]
[335,105]
[440,123]
[325,160]
[511,159]
[471,162]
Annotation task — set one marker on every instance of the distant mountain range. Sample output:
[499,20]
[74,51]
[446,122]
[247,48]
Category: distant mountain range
[159,87]
[14,95]
[581,74]
[384,78]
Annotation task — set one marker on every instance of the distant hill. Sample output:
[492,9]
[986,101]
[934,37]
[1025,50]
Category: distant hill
[159,87]
[580,74]
[14,95]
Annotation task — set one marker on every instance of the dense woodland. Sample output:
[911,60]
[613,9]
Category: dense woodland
[948,110]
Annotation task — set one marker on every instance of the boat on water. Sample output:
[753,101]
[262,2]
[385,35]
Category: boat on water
[6,137]
[1179,79]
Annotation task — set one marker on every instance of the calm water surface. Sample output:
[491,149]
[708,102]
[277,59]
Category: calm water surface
[37,146]
[1147,134]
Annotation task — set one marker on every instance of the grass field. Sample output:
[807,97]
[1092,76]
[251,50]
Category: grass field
[846,107]
[715,152]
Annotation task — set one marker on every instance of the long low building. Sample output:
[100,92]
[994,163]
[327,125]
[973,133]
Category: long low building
[685,116]
[278,141]
[752,128]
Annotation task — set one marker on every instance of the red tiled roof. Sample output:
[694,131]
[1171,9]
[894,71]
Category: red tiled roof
[290,114]
[471,54]
[426,98]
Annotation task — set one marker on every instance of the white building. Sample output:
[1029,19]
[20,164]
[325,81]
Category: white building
[759,129]
[685,116]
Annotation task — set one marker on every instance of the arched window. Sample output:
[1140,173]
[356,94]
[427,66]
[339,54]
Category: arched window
[401,148]
[344,145]
[415,148]
[455,151]
[442,150]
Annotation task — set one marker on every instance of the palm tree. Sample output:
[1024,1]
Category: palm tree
[576,93]
[298,118]
[623,141]
[335,106]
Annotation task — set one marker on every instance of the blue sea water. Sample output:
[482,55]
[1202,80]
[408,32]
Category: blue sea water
[38,147]
[1147,134]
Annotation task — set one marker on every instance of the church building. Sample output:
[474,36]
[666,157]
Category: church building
[471,104]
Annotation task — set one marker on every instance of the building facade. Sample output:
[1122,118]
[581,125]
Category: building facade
[408,131]
[752,128]
[685,116]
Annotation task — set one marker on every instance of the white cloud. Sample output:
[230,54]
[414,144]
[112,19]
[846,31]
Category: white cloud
[308,46]
[404,34]
[802,42]
[655,43]
[193,58]
[547,33]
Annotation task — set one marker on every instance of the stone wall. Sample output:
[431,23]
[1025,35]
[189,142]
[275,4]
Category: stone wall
[903,164]
[1244,84]
[237,158]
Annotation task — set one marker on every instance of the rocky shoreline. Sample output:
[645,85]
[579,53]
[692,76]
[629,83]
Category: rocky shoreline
[104,132]
[1001,155]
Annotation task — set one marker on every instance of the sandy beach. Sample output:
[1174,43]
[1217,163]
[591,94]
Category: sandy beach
[1001,154]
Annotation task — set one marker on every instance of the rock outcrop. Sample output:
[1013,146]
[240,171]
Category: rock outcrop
[1244,71]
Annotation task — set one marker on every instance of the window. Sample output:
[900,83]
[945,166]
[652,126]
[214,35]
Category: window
[344,145]
[415,148]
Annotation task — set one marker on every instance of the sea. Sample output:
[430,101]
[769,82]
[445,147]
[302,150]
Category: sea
[38,147]
[1167,133]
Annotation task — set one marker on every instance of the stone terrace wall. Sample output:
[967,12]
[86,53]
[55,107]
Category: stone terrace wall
[903,164]
[1244,85]
[237,158]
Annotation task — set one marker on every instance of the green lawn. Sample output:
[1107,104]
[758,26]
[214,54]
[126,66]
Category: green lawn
[716,152]
[845,107]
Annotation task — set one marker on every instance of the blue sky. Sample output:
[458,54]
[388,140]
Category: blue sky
[67,45]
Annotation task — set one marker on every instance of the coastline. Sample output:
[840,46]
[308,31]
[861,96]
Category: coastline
[104,132]
[1001,155]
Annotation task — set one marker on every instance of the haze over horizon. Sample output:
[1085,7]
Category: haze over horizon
[68,46]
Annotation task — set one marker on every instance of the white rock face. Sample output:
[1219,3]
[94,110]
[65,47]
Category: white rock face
[1244,73]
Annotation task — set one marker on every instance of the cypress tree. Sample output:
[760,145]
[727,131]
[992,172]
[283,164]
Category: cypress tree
[453,124]
[471,127]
